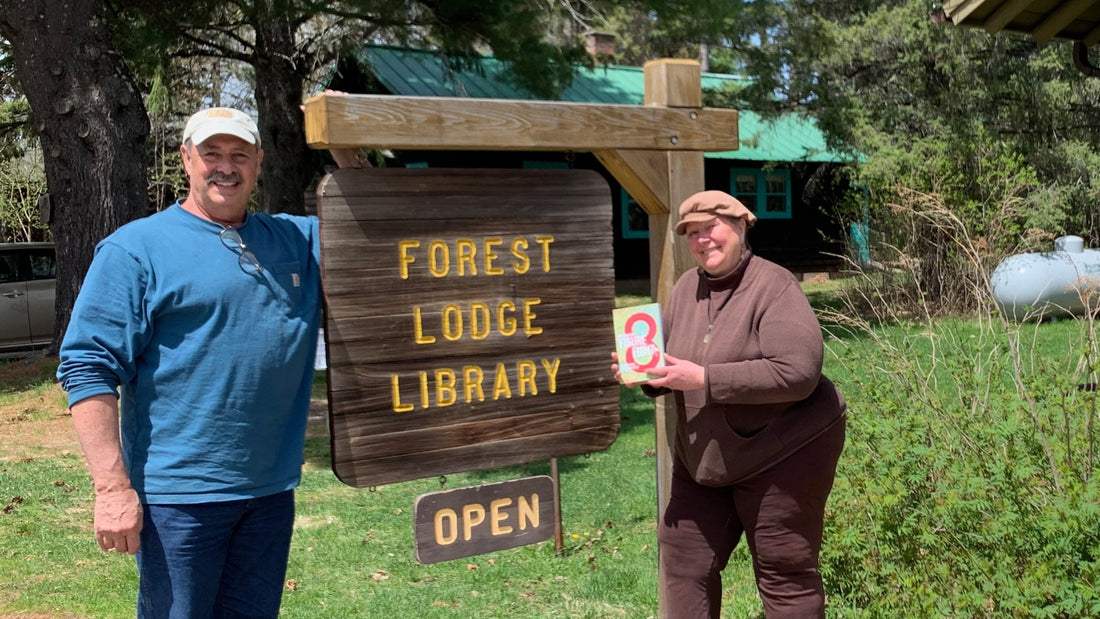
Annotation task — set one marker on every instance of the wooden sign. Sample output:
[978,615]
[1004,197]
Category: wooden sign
[468,319]
[473,521]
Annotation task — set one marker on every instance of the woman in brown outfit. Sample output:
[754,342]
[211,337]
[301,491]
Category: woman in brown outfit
[759,428]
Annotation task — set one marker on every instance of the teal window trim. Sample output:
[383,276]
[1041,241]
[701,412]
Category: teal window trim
[758,200]
[627,207]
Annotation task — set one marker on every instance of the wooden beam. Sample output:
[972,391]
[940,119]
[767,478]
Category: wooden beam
[456,123]
[1058,20]
[959,10]
[673,82]
[1004,15]
[670,82]
[686,176]
[644,174]
[1092,38]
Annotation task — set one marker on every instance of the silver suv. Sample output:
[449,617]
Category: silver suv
[27,272]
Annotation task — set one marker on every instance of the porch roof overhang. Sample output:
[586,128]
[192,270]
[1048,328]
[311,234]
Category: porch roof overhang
[1043,20]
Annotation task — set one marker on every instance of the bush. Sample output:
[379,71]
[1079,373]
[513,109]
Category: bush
[957,497]
[968,485]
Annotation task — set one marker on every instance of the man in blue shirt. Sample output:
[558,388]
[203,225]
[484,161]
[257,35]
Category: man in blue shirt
[189,364]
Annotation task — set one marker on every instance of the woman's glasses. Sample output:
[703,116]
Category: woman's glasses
[232,239]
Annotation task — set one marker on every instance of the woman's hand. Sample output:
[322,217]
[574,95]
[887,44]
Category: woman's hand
[677,374]
[618,375]
[615,369]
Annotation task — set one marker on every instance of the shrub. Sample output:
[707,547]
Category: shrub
[968,485]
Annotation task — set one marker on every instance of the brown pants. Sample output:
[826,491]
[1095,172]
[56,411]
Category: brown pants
[781,512]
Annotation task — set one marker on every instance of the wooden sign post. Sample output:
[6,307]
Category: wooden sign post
[655,151]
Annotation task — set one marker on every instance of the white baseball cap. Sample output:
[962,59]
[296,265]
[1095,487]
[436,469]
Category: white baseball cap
[218,121]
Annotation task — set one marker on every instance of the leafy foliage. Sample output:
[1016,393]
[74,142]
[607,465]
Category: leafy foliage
[969,485]
[282,49]
[978,121]
[963,493]
[14,125]
[353,552]
[22,181]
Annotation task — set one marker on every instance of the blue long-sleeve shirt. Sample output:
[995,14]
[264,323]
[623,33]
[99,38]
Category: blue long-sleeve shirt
[214,365]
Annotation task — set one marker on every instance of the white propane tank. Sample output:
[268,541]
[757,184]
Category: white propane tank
[1047,284]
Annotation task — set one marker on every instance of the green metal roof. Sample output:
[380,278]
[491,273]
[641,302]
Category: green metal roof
[411,72]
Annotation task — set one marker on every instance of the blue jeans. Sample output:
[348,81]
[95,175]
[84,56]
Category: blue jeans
[219,560]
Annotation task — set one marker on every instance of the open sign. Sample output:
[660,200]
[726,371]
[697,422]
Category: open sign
[472,521]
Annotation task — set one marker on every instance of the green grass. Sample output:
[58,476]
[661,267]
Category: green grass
[944,503]
[353,553]
[46,550]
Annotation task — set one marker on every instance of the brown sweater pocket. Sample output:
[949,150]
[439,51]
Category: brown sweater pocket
[727,456]
[718,455]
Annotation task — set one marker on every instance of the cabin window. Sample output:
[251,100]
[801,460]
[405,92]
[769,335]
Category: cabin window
[635,221]
[767,193]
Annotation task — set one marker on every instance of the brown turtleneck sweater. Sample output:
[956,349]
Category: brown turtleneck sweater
[765,395]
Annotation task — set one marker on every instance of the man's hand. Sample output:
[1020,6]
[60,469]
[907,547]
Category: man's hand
[117,508]
[344,157]
[118,519]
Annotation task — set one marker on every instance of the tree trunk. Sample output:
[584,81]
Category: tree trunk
[92,125]
[282,129]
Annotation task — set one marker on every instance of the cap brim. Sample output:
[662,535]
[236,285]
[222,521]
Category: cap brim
[681,226]
[205,133]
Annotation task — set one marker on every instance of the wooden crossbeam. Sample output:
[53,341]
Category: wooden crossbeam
[1059,19]
[959,10]
[1004,15]
[456,123]
[644,174]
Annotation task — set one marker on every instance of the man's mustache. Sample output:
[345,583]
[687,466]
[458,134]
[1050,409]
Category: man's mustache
[218,177]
